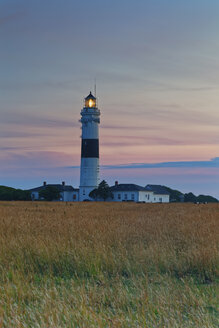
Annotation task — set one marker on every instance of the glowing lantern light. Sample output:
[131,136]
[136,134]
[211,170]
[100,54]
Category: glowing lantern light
[90,101]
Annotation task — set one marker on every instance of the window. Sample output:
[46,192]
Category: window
[74,197]
[119,196]
[133,196]
[126,196]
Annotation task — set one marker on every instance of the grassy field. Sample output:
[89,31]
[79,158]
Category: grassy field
[109,265]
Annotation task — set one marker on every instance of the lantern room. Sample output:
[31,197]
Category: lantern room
[90,101]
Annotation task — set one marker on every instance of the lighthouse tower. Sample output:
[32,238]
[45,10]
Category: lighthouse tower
[89,176]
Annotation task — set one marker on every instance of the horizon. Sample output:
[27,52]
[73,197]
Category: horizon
[212,163]
[157,87]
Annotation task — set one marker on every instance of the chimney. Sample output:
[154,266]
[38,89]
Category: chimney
[116,183]
[44,183]
[63,183]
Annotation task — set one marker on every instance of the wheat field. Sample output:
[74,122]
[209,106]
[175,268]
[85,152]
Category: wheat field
[109,265]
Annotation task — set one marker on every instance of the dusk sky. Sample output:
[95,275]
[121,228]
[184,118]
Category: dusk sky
[156,64]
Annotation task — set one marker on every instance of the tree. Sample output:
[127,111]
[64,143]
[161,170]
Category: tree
[175,195]
[103,192]
[8,193]
[190,197]
[19,194]
[206,199]
[49,193]
[94,194]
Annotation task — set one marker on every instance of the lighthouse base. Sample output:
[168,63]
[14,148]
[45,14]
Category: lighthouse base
[89,177]
[84,193]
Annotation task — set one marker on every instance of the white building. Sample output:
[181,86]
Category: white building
[160,193]
[89,173]
[67,193]
[127,192]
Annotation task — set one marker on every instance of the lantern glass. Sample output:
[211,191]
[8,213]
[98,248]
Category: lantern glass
[91,103]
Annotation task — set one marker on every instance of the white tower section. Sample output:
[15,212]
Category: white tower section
[89,176]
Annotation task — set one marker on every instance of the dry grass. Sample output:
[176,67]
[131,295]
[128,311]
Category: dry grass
[108,265]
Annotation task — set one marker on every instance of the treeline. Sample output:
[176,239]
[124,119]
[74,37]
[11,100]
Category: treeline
[8,193]
[178,196]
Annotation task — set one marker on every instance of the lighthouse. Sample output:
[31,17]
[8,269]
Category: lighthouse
[89,174]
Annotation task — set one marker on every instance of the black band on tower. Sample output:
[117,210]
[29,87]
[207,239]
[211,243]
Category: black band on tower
[90,148]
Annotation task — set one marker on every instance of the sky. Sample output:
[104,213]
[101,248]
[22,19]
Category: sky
[156,68]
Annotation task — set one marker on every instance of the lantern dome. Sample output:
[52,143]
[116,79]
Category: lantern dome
[90,101]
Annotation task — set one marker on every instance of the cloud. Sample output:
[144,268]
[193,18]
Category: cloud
[182,164]
[34,120]
[2,148]
[126,127]
[34,160]
[213,163]
[29,169]
[13,85]
[4,133]
[166,113]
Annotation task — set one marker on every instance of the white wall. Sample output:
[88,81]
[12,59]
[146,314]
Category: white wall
[125,196]
[84,193]
[89,174]
[135,196]
[161,198]
[34,195]
[90,121]
[76,196]
[145,196]
[139,196]
[67,196]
